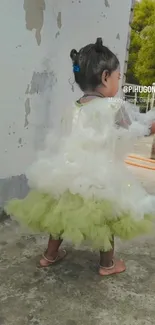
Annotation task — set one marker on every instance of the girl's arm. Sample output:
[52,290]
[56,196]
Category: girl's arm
[130,118]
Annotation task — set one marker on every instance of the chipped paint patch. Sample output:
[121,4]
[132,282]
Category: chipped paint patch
[103,15]
[20,143]
[57,34]
[71,84]
[27,90]
[59,21]
[118,36]
[27,112]
[40,81]
[107,3]
[34,16]
[20,140]
[12,187]
[12,129]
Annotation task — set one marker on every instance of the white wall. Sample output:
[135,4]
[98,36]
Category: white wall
[36,39]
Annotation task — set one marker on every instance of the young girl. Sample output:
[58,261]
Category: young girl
[80,186]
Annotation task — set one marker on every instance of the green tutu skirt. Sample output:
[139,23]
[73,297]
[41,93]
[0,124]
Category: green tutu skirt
[76,219]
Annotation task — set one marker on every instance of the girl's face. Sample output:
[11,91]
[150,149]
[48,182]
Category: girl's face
[110,83]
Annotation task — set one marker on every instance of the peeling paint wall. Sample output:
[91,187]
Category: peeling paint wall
[37,85]
[34,16]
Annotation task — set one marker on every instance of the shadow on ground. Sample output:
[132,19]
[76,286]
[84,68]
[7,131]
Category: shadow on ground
[72,293]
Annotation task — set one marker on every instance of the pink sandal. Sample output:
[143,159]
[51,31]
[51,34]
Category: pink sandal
[47,262]
[117,267]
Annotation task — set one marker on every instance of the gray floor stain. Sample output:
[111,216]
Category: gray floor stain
[34,16]
[71,322]
[2,320]
[72,293]
[3,218]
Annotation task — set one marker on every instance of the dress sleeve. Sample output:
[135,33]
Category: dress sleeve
[122,118]
[138,124]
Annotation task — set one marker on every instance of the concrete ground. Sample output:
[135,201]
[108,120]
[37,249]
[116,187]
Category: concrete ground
[72,293]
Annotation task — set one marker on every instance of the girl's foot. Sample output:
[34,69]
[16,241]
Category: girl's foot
[118,266]
[50,260]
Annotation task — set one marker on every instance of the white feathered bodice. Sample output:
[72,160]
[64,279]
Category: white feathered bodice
[109,125]
[90,160]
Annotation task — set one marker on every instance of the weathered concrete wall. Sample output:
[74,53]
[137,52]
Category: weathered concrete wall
[36,75]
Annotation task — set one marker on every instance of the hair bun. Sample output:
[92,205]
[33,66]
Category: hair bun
[73,54]
[99,45]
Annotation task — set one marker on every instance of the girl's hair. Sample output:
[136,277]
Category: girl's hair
[90,63]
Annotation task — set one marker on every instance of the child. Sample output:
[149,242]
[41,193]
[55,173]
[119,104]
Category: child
[81,187]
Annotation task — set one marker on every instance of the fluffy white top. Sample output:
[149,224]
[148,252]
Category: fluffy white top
[90,160]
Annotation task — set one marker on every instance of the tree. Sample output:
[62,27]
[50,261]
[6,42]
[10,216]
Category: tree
[145,64]
[135,45]
[141,61]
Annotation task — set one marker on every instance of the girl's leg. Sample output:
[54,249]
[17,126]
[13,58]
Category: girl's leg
[52,254]
[108,265]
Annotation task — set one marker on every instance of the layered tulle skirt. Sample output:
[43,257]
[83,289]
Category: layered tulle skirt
[77,219]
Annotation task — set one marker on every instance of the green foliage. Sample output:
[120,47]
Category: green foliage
[135,46]
[141,63]
[145,65]
[143,14]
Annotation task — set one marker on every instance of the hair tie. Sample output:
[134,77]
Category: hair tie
[76,68]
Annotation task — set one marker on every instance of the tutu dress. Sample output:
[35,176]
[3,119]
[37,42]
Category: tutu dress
[81,188]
